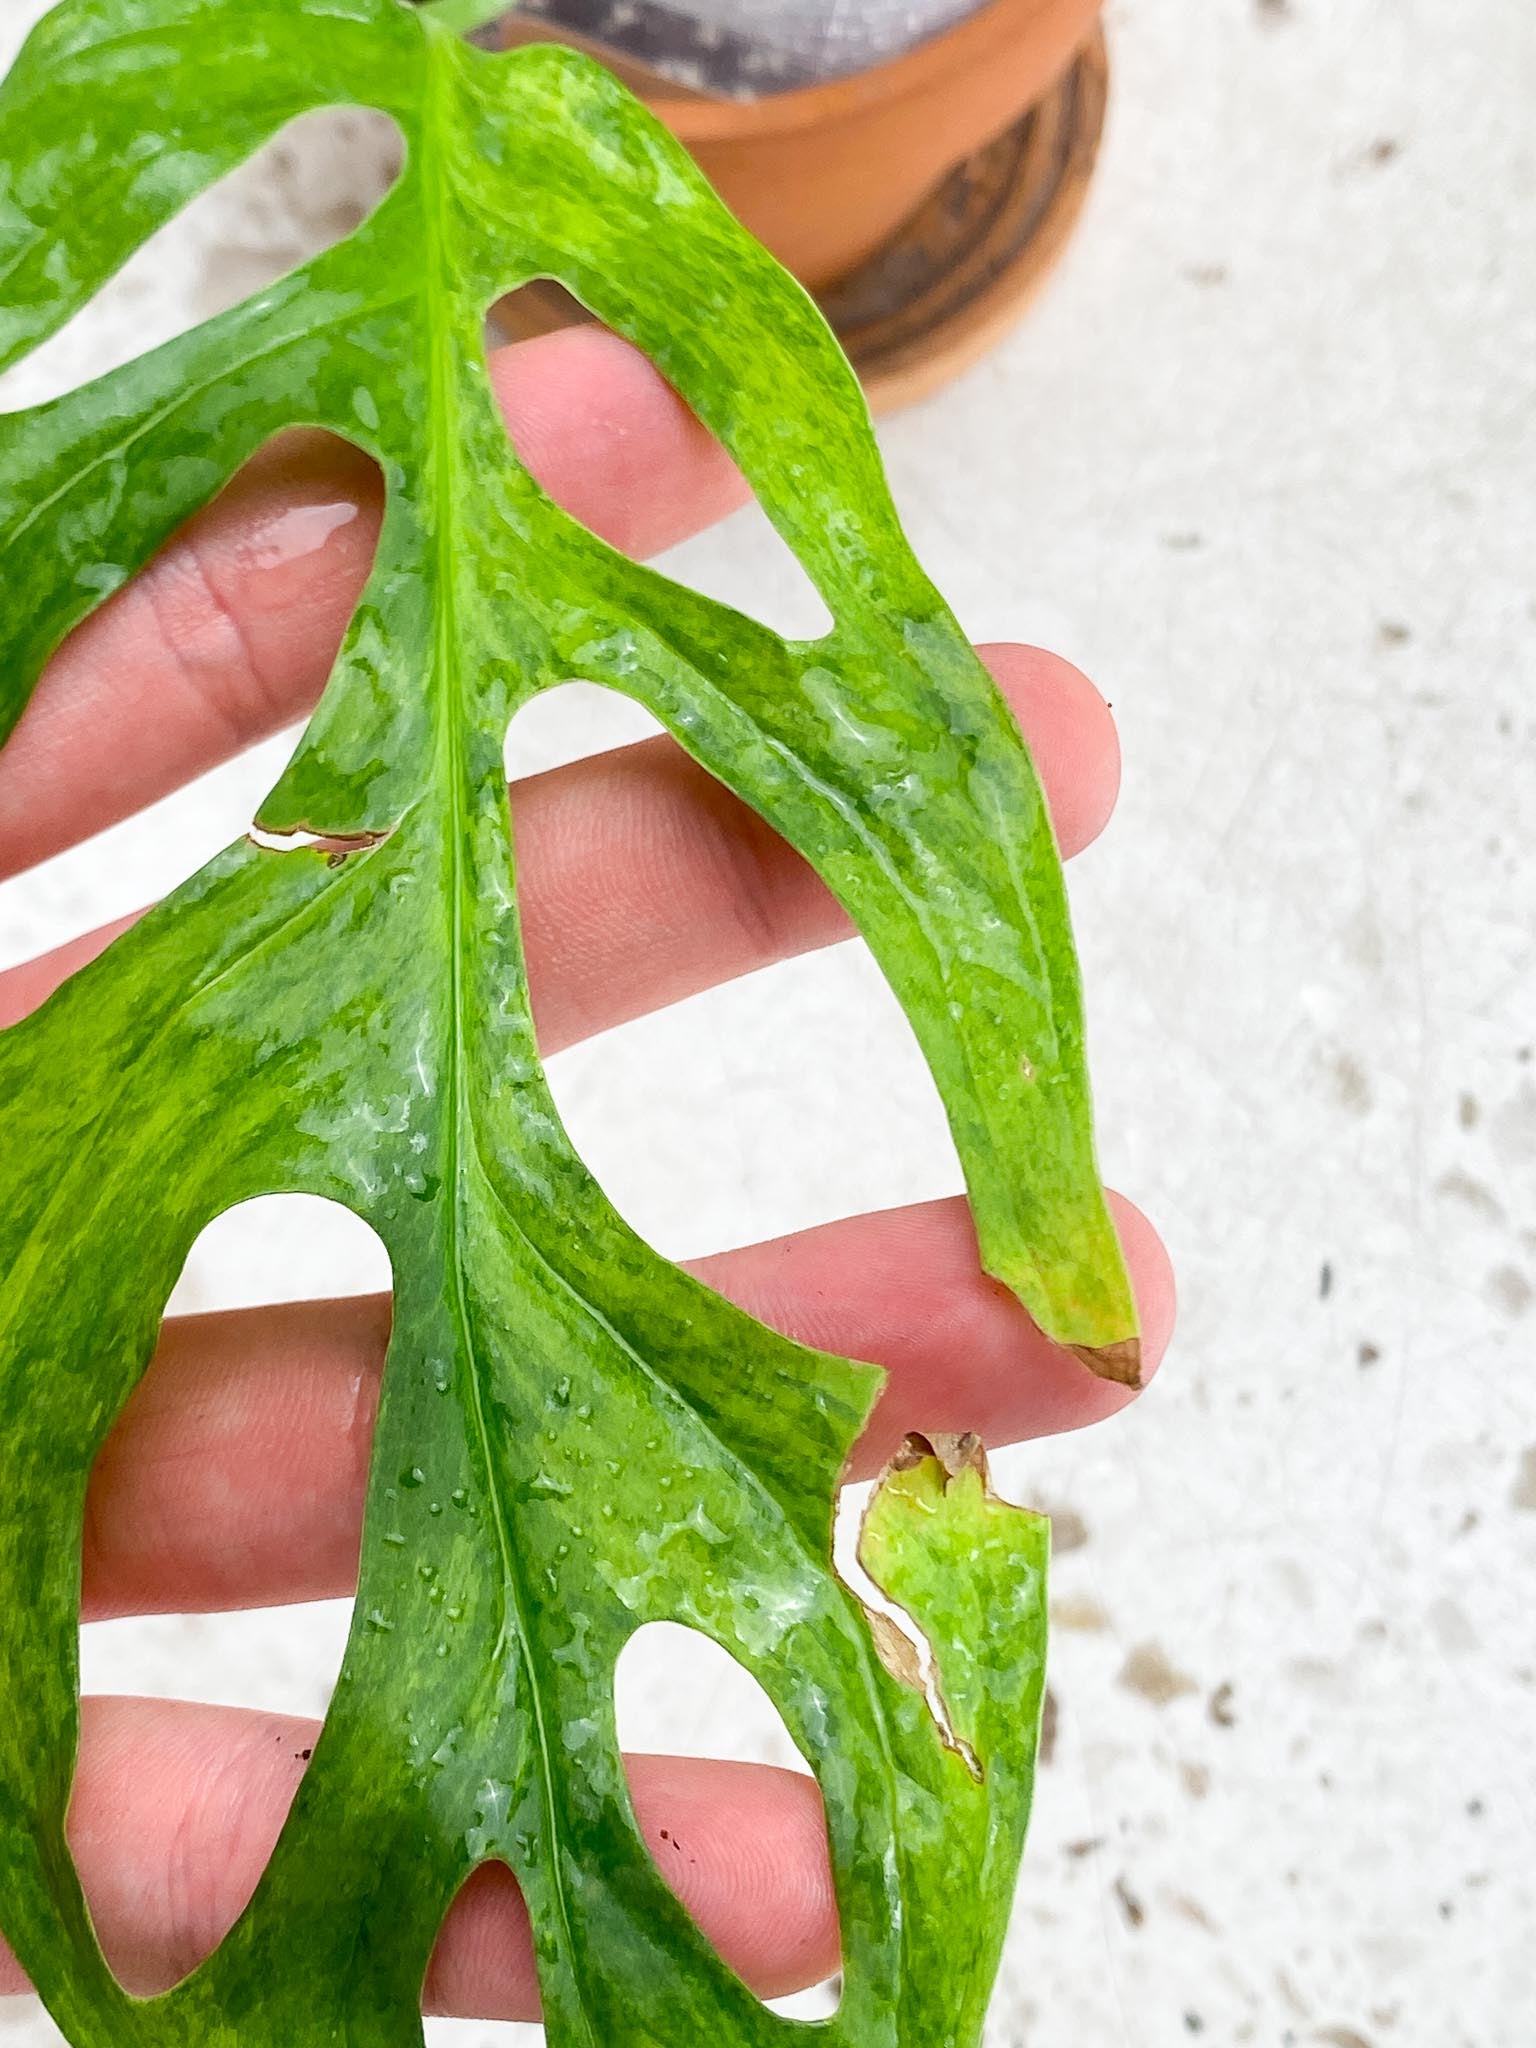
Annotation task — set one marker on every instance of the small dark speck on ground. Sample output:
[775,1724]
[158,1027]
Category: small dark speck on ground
[1081,1614]
[1068,1530]
[1135,1912]
[1183,543]
[1193,2024]
[1458,1185]
[1086,1847]
[1273,11]
[1510,1291]
[1368,1355]
[1192,1910]
[1523,1493]
[1050,1722]
[1393,633]
[1325,1280]
[1149,1671]
[1209,276]
[1384,150]
[1352,1084]
[1468,1111]
[1220,1708]
[305,1755]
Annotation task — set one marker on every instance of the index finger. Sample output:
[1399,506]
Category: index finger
[231,632]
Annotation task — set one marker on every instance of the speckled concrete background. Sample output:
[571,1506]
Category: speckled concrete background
[1263,462]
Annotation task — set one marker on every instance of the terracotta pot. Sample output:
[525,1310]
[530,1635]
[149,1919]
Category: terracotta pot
[826,174]
[922,200]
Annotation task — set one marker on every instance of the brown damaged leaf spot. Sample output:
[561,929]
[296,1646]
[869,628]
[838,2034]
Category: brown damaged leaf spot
[957,1452]
[336,846]
[910,1658]
[1119,1362]
[896,1651]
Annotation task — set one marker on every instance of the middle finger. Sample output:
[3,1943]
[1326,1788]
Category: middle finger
[237,1474]
[643,880]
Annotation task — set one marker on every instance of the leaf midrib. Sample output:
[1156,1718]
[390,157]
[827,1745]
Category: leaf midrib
[446,448]
[444,459]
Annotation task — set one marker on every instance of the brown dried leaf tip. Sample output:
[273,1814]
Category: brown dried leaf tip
[1118,1362]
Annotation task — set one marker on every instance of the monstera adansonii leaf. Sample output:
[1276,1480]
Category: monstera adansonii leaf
[575,1439]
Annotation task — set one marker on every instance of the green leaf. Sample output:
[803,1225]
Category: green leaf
[574,1438]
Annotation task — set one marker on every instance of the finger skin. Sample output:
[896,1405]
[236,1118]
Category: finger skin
[24,989]
[176,1810]
[231,632]
[236,1475]
[904,1289]
[644,881]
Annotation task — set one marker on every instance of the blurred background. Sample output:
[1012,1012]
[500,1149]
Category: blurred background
[1261,461]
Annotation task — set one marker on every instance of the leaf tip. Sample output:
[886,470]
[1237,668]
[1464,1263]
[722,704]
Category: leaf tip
[1120,1362]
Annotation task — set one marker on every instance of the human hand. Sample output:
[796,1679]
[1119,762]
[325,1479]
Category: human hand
[236,1475]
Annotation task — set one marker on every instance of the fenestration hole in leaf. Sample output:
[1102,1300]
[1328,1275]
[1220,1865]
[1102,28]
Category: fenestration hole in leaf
[232,1482]
[775,1102]
[627,417]
[746,563]
[281,1248]
[572,723]
[744,1850]
[483,1965]
[650,895]
[306,189]
[228,632]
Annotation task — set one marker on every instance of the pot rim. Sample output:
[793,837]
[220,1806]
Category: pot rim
[697,118]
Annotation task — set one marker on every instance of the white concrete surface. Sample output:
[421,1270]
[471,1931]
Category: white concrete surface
[1263,462]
